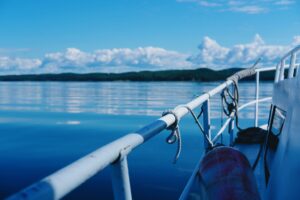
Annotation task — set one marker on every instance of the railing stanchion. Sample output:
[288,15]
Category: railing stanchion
[65,180]
[206,121]
[256,98]
[120,180]
[297,70]
[277,72]
[230,131]
[281,73]
[292,66]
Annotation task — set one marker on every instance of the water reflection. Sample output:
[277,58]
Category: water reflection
[47,125]
[114,98]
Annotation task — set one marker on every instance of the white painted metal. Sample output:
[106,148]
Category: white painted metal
[292,65]
[295,50]
[64,181]
[187,188]
[226,123]
[206,122]
[182,110]
[265,69]
[281,73]
[284,168]
[264,126]
[281,66]
[220,132]
[120,179]
[70,177]
[256,98]
[254,102]
[277,74]
[231,131]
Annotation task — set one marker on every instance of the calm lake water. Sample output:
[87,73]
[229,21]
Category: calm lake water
[46,125]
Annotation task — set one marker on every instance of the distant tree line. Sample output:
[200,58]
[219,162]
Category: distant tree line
[201,75]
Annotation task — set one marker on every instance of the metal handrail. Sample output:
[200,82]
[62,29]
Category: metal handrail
[254,102]
[115,153]
[281,66]
[279,75]
[70,177]
[226,123]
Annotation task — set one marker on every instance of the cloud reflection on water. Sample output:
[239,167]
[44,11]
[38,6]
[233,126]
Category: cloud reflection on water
[118,98]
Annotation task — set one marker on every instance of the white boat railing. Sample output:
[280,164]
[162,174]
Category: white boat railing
[115,154]
[293,66]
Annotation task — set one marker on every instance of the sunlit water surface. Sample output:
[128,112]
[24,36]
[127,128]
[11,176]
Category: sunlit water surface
[46,125]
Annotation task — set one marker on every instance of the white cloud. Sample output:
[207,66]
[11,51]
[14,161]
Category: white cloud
[216,56]
[243,6]
[148,56]
[284,2]
[296,39]
[13,50]
[248,9]
[210,54]
[203,3]
[71,58]
[116,60]
[16,64]
[211,51]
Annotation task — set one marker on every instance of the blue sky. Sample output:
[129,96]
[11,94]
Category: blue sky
[123,35]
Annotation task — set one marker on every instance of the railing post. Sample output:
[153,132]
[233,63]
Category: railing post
[206,121]
[281,75]
[230,131]
[120,179]
[277,72]
[292,66]
[296,69]
[256,98]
